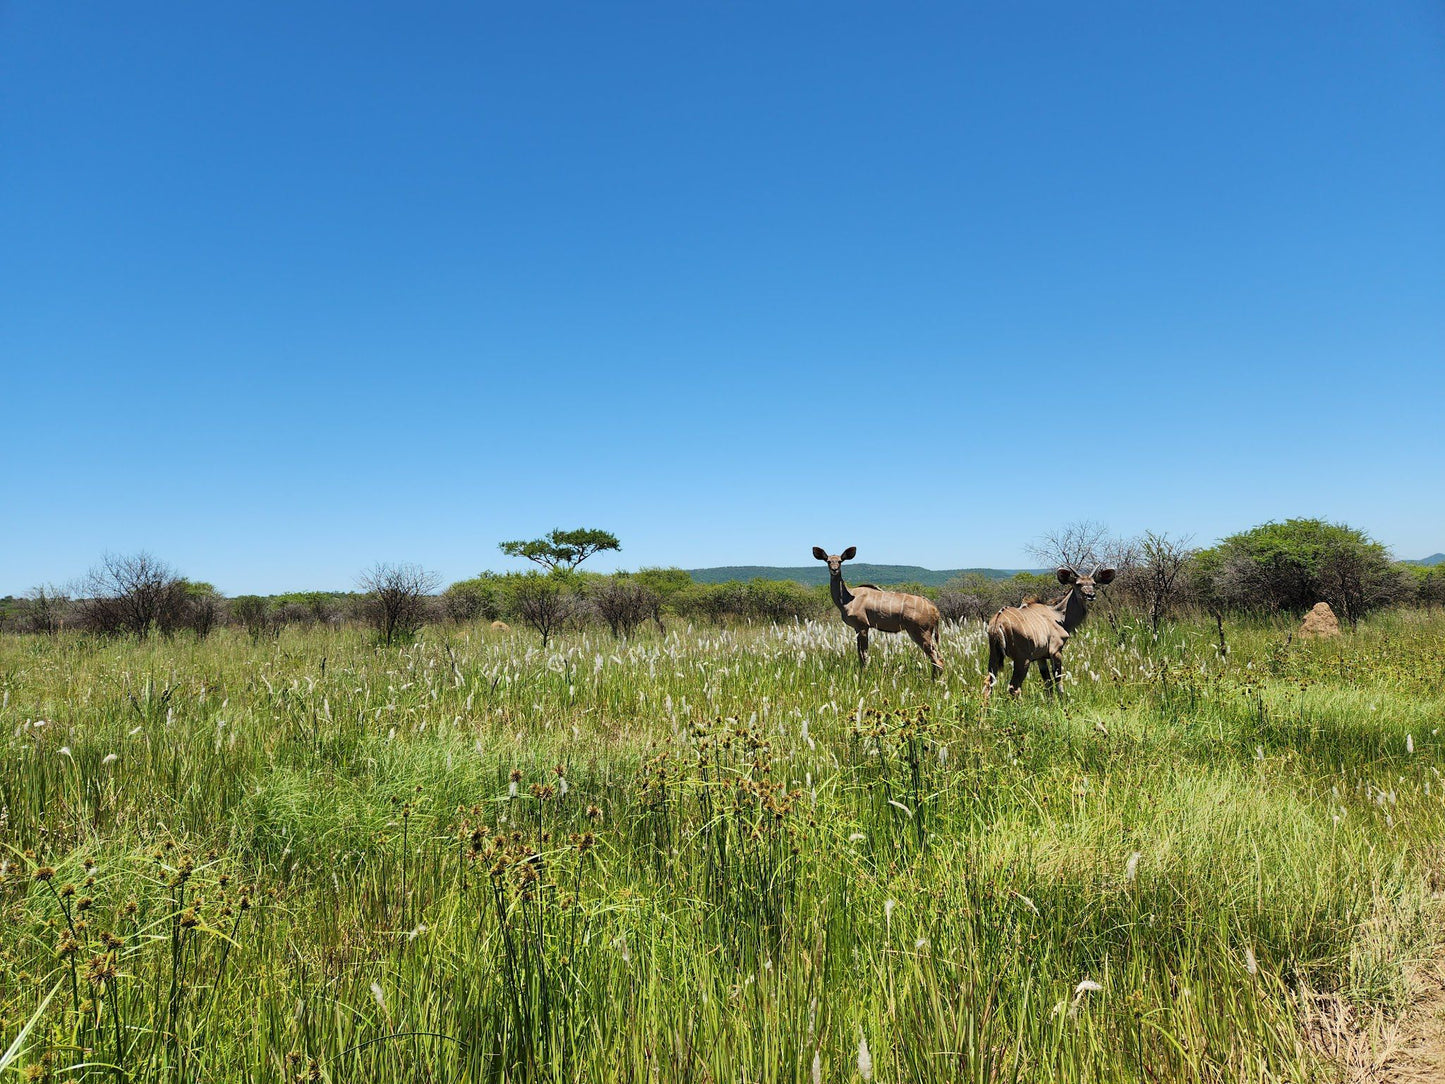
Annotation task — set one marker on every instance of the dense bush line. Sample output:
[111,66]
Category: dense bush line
[1273,568]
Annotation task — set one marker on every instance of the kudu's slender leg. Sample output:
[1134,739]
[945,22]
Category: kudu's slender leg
[863,648]
[1021,671]
[995,664]
[1058,664]
[1048,676]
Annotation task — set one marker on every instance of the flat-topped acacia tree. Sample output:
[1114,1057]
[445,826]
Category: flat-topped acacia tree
[547,601]
[563,551]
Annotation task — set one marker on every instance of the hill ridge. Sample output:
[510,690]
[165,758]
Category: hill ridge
[854,572]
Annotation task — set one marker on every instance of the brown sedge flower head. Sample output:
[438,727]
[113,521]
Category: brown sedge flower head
[44,873]
[101,969]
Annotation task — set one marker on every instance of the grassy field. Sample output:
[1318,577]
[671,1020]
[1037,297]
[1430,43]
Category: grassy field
[710,856]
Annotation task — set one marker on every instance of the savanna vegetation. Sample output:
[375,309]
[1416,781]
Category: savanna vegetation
[706,847]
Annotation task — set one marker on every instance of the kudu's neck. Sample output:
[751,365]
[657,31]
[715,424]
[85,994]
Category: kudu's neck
[1074,609]
[841,595]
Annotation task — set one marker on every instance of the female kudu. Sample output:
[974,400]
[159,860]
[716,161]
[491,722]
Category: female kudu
[868,607]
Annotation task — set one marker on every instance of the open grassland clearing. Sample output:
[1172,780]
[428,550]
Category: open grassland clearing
[713,855]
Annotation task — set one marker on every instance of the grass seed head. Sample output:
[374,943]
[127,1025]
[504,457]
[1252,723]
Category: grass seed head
[865,1058]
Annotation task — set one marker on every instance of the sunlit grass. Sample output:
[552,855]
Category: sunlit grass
[718,854]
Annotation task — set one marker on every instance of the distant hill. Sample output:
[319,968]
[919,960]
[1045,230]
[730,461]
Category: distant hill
[853,572]
[1433,559]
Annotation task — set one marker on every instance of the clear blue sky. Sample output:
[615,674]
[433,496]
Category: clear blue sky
[289,289]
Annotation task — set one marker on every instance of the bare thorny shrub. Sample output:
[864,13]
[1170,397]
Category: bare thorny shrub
[44,609]
[132,595]
[962,606]
[1152,570]
[1081,546]
[1156,579]
[624,604]
[396,602]
[544,601]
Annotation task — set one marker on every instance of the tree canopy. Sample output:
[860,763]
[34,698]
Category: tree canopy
[1292,565]
[562,550]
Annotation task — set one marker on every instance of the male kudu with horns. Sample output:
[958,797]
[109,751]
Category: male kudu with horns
[868,607]
[1037,631]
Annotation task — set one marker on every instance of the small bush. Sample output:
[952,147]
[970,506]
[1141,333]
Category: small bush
[396,599]
[476,599]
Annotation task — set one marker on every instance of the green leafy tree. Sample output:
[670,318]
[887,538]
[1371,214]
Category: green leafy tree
[665,581]
[561,550]
[319,606]
[252,613]
[1428,583]
[666,584]
[1292,565]
[202,607]
[475,599]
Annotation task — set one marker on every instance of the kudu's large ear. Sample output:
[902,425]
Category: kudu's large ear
[1104,575]
[820,553]
[849,553]
[1067,574]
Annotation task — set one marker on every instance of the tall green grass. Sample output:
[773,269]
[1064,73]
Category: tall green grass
[719,854]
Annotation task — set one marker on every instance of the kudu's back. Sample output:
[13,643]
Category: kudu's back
[894,611]
[1029,632]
